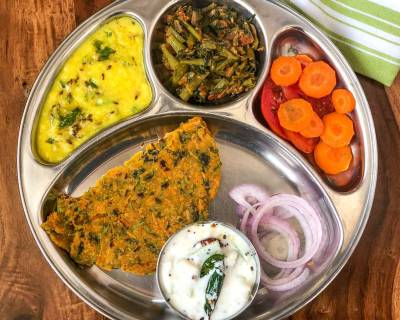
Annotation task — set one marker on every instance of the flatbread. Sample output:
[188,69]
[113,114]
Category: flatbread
[124,220]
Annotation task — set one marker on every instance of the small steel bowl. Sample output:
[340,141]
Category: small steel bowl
[232,229]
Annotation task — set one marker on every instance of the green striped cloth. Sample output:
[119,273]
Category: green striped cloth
[367,32]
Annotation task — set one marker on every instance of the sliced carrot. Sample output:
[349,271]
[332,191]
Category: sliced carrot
[343,100]
[318,79]
[338,130]
[304,59]
[314,128]
[303,144]
[295,114]
[285,71]
[332,160]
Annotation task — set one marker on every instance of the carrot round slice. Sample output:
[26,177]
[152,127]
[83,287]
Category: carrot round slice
[314,128]
[285,71]
[332,160]
[343,100]
[318,79]
[304,59]
[295,114]
[301,143]
[338,130]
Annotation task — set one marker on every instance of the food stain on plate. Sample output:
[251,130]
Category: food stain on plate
[125,219]
[103,82]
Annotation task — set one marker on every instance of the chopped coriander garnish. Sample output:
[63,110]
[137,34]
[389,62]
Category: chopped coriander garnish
[91,83]
[98,44]
[103,51]
[50,140]
[69,119]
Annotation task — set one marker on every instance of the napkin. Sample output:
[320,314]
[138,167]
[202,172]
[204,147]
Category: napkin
[366,32]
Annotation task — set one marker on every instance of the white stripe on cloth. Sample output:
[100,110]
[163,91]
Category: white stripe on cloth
[365,51]
[367,14]
[390,4]
[359,24]
[343,30]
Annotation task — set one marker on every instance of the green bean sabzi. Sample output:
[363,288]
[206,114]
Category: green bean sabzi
[210,52]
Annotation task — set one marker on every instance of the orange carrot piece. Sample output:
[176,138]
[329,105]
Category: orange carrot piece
[343,100]
[338,130]
[318,79]
[304,59]
[332,160]
[314,128]
[285,71]
[301,143]
[295,114]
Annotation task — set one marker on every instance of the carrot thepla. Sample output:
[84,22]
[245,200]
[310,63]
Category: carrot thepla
[338,130]
[314,128]
[332,160]
[343,100]
[295,114]
[285,71]
[318,79]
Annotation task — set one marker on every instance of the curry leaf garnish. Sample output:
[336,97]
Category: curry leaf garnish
[214,284]
[209,264]
[214,265]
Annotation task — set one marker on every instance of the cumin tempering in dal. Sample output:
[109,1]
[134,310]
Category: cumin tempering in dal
[124,220]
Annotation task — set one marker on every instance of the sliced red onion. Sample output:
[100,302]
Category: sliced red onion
[262,219]
[282,227]
[324,239]
[294,279]
[240,210]
[272,241]
[248,194]
[293,243]
[288,233]
[308,220]
[246,216]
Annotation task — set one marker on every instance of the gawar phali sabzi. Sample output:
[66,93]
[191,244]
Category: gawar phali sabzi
[210,52]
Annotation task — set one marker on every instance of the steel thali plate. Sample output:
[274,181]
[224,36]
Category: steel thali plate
[249,153]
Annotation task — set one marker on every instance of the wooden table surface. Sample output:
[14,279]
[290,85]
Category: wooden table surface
[367,288]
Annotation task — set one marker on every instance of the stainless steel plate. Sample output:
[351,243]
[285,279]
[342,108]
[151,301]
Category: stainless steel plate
[249,152]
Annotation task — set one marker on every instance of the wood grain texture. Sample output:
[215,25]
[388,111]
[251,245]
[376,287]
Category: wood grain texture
[30,30]
[367,288]
[393,93]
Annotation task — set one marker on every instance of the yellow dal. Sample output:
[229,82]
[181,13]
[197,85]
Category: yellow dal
[103,82]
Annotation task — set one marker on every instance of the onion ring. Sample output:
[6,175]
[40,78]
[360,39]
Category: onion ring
[262,214]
